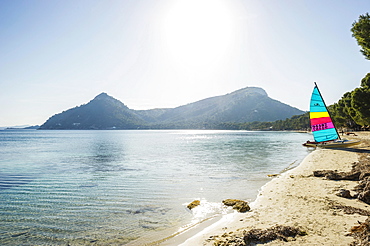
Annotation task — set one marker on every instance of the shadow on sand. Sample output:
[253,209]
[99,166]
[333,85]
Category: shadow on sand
[365,149]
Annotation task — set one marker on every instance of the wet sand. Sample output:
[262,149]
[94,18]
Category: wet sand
[298,199]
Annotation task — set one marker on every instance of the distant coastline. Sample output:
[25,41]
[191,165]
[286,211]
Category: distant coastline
[35,127]
[236,126]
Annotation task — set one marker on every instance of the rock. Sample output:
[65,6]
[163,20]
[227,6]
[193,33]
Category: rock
[344,193]
[238,205]
[364,196]
[241,207]
[364,190]
[321,173]
[193,204]
[230,202]
[364,175]
[351,175]
[367,186]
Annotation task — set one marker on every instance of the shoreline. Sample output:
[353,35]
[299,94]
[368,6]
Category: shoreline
[294,198]
[208,224]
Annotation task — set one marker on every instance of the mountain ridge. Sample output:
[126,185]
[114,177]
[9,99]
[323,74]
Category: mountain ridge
[105,112]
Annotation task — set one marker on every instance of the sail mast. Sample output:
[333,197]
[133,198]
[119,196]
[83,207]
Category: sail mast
[327,109]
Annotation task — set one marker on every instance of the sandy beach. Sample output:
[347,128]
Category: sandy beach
[299,200]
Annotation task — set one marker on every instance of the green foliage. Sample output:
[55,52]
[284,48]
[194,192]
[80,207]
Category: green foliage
[361,31]
[365,82]
[353,109]
[359,108]
[342,112]
[361,105]
[360,102]
[296,122]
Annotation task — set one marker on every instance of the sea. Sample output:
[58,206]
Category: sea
[117,187]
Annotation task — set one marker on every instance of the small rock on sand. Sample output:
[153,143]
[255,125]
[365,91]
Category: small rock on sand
[238,205]
[193,204]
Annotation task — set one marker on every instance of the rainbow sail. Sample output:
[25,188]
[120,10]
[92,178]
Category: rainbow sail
[322,126]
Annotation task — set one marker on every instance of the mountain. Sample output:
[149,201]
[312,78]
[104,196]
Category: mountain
[104,112]
[244,105]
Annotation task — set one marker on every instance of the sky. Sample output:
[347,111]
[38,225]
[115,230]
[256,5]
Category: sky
[56,55]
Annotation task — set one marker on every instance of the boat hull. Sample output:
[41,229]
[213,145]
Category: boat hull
[334,144]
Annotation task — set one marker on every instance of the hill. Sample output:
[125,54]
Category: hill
[105,112]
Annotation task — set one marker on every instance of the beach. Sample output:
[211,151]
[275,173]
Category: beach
[298,200]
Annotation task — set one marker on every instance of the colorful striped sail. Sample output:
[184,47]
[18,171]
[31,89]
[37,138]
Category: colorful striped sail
[322,126]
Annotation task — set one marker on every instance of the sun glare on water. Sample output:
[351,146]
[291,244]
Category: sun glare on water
[198,32]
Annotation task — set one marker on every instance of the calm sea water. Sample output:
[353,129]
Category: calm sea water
[113,187]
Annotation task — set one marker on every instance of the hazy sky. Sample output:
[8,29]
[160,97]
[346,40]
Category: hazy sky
[55,55]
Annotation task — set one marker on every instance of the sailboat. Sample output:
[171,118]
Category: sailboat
[322,126]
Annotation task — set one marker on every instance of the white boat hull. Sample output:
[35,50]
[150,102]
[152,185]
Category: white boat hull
[334,144]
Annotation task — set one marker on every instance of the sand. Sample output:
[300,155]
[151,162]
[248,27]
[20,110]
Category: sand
[296,198]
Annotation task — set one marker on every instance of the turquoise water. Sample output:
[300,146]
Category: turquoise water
[113,187]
